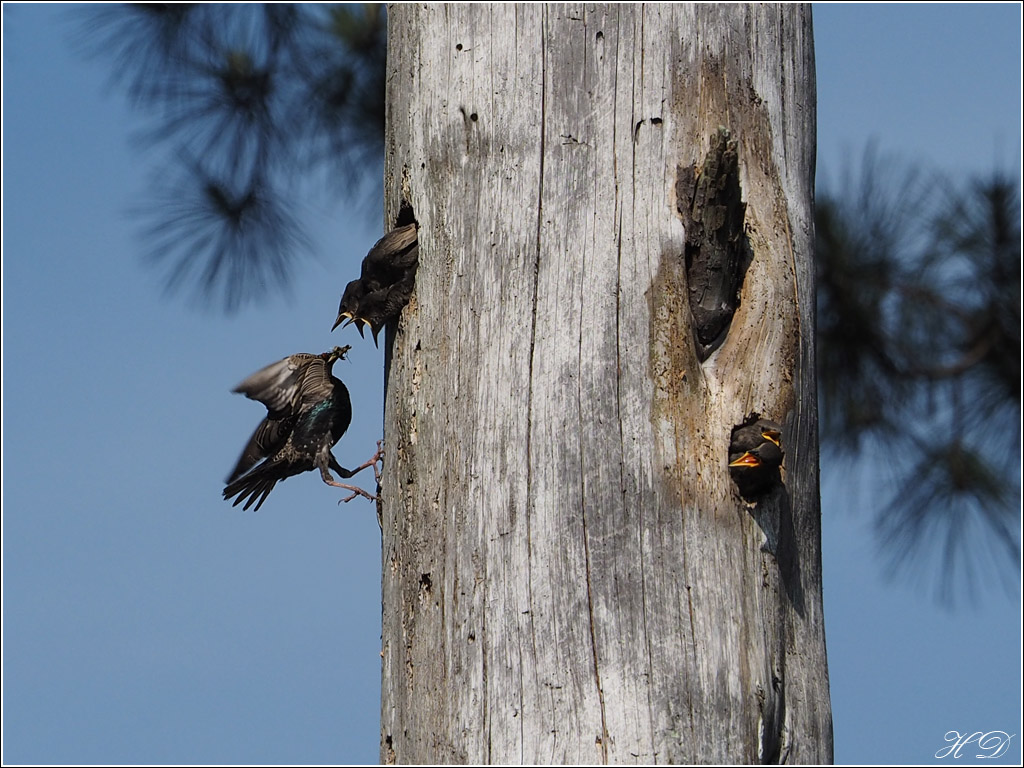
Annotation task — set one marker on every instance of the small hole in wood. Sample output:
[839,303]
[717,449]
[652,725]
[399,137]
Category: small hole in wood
[406,215]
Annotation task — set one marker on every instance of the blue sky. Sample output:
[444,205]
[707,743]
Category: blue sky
[146,621]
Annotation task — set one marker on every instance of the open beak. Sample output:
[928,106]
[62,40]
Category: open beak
[342,316]
[746,460]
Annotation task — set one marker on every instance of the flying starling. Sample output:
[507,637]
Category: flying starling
[755,455]
[308,410]
[385,282]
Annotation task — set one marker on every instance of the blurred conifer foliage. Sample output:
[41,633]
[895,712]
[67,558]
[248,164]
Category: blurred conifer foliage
[919,355]
[250,102]
[919,320]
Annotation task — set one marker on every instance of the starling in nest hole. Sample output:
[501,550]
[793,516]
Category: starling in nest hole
[755,455]
[385,283]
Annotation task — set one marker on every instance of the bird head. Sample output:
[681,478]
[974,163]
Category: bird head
[375,310]
[751,435]
[772,434]
[349,303]
[337,353]
[767,456]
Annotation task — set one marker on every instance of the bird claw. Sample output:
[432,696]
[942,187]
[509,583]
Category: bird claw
[359,492]
[356,491]
[377,458]
[373,461]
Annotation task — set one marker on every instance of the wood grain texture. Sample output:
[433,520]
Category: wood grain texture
[569,572]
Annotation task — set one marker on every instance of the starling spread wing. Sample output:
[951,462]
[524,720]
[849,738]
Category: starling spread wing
[316,385]
[277,385]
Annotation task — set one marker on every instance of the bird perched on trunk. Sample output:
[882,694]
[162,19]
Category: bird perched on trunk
[308,410]
[755,455]
[385,282]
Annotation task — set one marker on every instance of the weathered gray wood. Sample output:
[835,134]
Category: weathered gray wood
[569,573]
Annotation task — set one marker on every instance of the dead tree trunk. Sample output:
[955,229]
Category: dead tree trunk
[615,209]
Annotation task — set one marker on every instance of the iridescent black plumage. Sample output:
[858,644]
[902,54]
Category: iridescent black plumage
[385,283]
[308,410]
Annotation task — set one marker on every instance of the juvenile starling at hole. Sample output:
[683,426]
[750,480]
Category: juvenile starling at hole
[350,299]
[376,308]
[308,410]
[755,455]
[752,435]
[385,283]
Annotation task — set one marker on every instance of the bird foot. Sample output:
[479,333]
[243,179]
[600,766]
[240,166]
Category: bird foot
[356,491]
[373,461]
